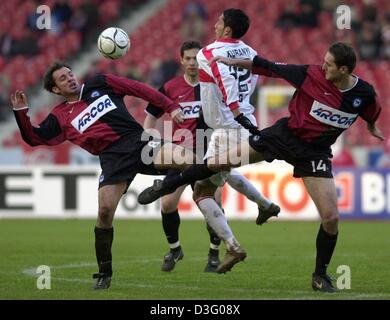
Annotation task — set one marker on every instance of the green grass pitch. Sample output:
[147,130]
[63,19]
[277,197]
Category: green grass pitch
[279,263]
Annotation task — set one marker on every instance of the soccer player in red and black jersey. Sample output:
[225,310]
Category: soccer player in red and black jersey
[94,116]
[327,101]
[185,90]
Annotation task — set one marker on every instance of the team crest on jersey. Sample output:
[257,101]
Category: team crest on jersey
[95,94]
[101,178]
[357,102]
[191,109]
[331,116]
[93,113]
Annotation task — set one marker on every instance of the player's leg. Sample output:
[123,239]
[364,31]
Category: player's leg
[204,197]
[173,156]
[213,255]
[171,222]
[266,208]
[323,193]
[109,196]
[238,155]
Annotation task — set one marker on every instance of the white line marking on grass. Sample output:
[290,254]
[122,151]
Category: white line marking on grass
[245,293]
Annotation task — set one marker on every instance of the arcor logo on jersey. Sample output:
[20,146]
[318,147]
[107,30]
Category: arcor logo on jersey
[191,109]
[92,113]
[331,116]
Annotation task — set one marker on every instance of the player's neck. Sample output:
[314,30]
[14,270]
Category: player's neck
[72,98]
[191,79]
[345,83]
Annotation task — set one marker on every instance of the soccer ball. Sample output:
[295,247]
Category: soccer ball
[113,43]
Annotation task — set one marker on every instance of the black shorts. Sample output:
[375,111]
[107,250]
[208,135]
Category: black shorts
[278,142]
[126,157]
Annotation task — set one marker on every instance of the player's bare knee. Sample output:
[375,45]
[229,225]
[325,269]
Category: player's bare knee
[168,206]
[105,215]
[330,222]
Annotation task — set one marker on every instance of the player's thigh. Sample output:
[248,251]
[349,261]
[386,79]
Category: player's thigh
[218,196]
[109,195]
[170,202]
[323,193]
[204,188]
[172,155]
[236,156]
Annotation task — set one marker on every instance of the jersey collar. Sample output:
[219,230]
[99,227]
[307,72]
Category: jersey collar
[228,40]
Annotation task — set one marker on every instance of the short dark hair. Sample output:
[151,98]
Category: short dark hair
[344,55]
[188,45]
[48,81]
[237,20]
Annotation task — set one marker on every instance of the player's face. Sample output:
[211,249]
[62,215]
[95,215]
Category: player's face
[66,82]
[332,71]
[219,27]
[189,62]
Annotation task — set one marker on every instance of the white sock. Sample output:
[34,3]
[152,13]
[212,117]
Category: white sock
[215,218]
[232,243]
[214,246]
[174,245]
[241,184]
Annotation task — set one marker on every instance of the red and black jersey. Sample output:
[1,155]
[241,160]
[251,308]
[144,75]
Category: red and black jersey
[319,111]
[188,97]
[95,121]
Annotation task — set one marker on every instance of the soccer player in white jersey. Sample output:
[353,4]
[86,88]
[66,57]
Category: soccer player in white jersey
[225,94]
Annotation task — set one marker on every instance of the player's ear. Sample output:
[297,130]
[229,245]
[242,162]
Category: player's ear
[344,69]
[55,90]
[228,32]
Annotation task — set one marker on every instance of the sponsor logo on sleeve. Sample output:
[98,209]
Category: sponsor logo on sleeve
[331,116]
[93,113]
[357,102]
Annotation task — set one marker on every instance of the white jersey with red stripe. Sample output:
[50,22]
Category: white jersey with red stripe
[225,88]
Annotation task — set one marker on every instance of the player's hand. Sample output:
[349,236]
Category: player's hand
[375,132]
[18,100]
[224,60]
[177,116]
[247,124]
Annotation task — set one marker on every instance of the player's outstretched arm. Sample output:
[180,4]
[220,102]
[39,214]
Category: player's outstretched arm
[240,63]
[375,131]
[18,100]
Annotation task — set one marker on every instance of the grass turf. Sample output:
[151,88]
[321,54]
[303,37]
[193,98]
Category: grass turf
[279,264]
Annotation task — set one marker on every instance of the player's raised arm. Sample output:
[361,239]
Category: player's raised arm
[48,132]
[294,74]
[135,88]
[240,63]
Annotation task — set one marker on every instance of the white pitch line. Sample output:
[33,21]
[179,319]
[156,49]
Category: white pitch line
[120,284]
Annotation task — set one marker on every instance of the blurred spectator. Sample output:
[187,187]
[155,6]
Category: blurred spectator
[161,73]
[3,108]
[309,13]
[24,43]
[196,6]
[368,41]
[369,11]
[5,44]
[289,17]
[385,51]
[62,11]
[193,22]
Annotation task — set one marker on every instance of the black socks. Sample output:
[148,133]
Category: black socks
[103,243]
[214,239]
[171,223]
[325,246]
[187,176]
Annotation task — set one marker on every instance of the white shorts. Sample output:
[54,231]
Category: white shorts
[221,141]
